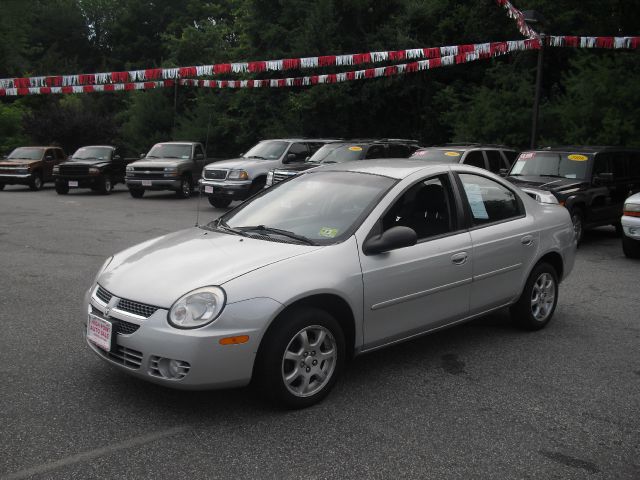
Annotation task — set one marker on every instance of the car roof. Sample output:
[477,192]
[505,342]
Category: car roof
[301,139]
[583,149]
[397,168]
[98,146]
[468,146]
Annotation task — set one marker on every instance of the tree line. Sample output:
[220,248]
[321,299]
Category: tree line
[589,97]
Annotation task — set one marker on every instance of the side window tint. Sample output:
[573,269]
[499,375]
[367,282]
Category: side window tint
[398,151]
[602,164]
[475,159]
[488,200]
[495,160]
[198,151]
[511,157]
[59,154]
[427,208]
[376,151]
[620,164]
[299,150]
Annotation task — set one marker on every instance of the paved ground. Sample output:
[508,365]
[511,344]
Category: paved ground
[483,400]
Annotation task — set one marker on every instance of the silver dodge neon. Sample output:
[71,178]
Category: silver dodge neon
[335,262]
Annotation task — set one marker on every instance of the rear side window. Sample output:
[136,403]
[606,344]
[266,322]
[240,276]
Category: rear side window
[399,151]
[376,151]
[488,200]
[511,156]
[475,159]
[198,151]
[495,160]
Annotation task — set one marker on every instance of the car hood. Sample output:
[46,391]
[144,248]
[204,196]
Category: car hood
[159,162]
[244,163]
[160,271]
[17,162]
[301,167]
[551,184]
[87,163]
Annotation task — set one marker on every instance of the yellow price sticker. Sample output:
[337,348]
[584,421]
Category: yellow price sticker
[355,149]
[578,158]
[452,154]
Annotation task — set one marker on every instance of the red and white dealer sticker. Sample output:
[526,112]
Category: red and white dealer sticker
[527,155]
[99,332]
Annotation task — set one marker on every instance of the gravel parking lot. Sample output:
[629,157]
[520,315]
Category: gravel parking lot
[482,400]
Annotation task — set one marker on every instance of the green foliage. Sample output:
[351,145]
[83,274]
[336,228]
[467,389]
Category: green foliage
[588,97]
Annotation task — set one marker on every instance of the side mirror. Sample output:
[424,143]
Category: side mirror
[241,154]
[49,158]
[503,172]
[392,239]
[116,157]
[603,178]
[199,156]
[142,155]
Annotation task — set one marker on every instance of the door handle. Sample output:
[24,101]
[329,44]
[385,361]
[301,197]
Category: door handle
[459,258]
[527,240]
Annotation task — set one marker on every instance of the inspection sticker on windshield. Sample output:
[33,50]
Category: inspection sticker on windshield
[578,158]
[355,149]
[328,232]
[452,154]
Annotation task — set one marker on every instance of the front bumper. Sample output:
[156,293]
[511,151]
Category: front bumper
[223,189]
[155,184]
[211,365]
[84,181]
[631,226]
[16,179]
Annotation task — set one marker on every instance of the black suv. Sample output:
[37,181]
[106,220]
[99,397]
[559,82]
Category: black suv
[98,167]
[490,157]
[344,151]
[591,182]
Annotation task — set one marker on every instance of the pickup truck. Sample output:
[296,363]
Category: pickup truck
[168,166]
[240,178]
[32,166]
[99,167]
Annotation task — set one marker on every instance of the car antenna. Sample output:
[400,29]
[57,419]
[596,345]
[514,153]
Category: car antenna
[198,207]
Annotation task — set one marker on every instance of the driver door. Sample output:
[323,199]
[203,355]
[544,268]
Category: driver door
[414,289]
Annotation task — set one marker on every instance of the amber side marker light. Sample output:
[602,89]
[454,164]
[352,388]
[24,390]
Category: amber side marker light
[561,203]
[234,340]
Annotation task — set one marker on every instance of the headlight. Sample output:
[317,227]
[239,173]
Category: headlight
[197,308]
[94,171]
[22,170]
[170,171]
[238,175]
[269,181]
[631,210]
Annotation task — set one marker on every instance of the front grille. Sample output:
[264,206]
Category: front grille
[119,326]
[136,308]
[79,170]
[279,176]
[148,169]
[103,295]
[215,174]
[124,356]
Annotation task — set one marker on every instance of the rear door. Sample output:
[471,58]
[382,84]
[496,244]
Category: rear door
[418,288]
[504,238]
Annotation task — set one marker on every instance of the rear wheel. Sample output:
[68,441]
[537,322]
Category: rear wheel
[300,358]
[630,247]
[36,182]
[62,188]
[185,187]
[219,202]
[136,192]
[539,298]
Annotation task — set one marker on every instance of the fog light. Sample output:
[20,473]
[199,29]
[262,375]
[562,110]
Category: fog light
[168,368]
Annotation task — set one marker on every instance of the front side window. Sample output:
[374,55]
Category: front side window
[300,150]
[199,151]
[495,160]
[427,208]
[488,200]
[475,159]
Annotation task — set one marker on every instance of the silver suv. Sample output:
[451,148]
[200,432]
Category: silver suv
[239,178]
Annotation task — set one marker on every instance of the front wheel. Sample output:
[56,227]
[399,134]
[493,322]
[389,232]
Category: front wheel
[630,247]
[136,192]
[185,188]
[577,218]
[62,188]
[106,186]
[301,358]
[219,202]
[36,182]
[539,298]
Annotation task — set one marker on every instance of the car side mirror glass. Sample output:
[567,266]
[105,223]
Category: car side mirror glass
[392,239]
[49,158]
[117,157]
[199,156]
[142,155]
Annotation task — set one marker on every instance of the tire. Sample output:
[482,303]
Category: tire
[619,230]
[538,301]
[105,186]
[219,202]
[577,218]
[36,182]
[1,186]
[630,247]
[185,188]
[257,186]
[296,373]
[136,192]
[62,188]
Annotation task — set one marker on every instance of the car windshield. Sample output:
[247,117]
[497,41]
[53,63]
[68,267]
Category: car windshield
[269,150]
[551,164]
[337,154]
[92,153]
[25,153]
[439,155]
[170,151]
[319,208]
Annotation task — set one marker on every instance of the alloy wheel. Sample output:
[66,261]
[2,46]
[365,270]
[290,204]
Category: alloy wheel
[543,296]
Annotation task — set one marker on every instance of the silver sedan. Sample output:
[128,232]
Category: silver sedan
[336,262]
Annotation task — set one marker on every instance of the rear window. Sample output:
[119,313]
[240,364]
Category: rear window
[552,164]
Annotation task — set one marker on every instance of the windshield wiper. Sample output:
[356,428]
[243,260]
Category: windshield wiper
[550,175]
[277,231]
[222,225]
[257,156]
[151,156]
